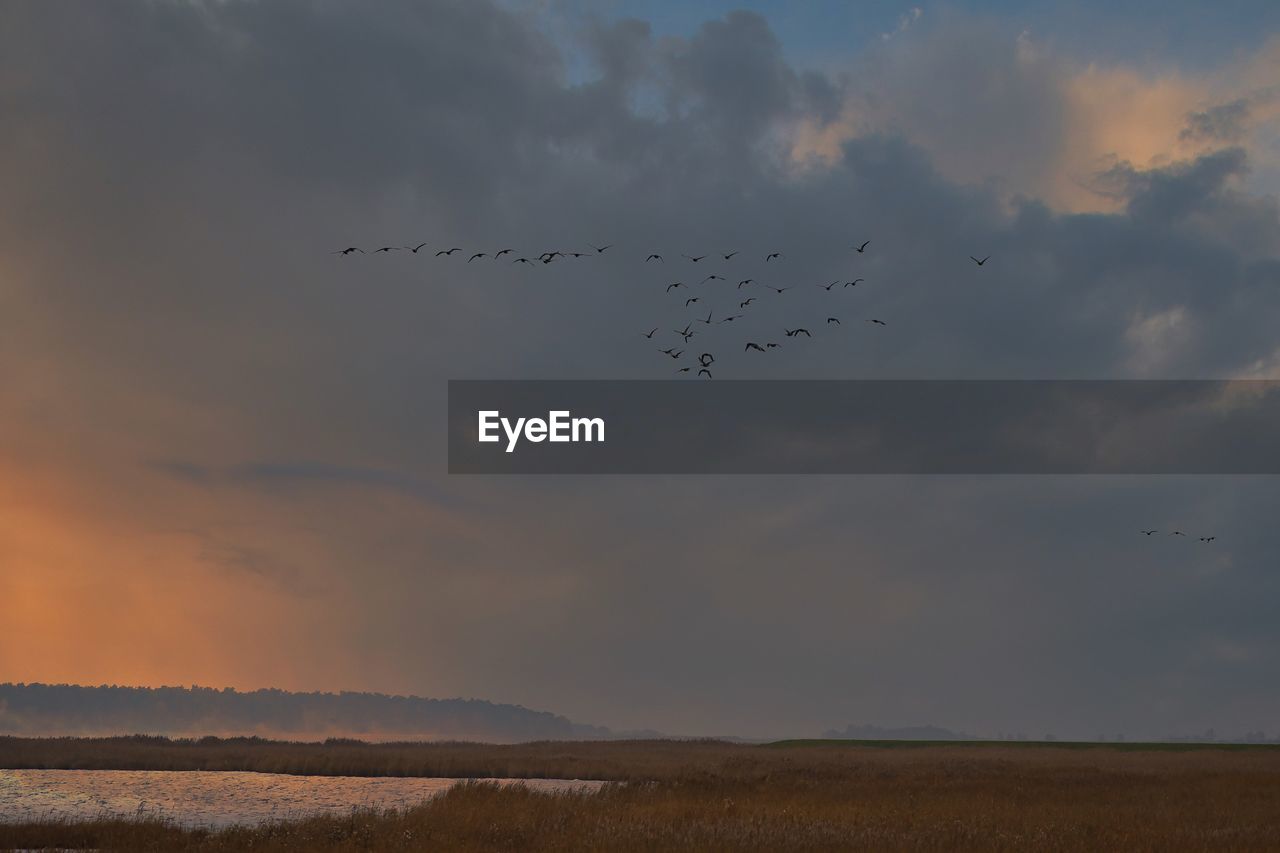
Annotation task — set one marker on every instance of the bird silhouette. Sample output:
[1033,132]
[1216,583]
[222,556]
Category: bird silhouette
[690,301]
[388,249]
[674,284]
[878,322]
[448,251]
[652,257]
[600,249]
[778,289]
[827,286]
[348,251]
[674,353]
[863,247]
[686,333]
[771,256]
[503,252]
[476,255]
[704,370]
[751,345]
[416,248]
[1148,532]
[731,318]
[682,370]
[706,359]
[831,320]
[745,281]
[650,334]
[1177,533]
[706,321]
[1207,538]
[522,261]
[772,346]
[979,262]
[791,333]
[730,255]
[692,258]
[748,302]
[712,278]
[853,283]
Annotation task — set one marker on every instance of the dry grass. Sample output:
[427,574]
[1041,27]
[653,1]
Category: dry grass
[791,797]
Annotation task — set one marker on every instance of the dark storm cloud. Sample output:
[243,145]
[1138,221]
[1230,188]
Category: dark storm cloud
[178,173]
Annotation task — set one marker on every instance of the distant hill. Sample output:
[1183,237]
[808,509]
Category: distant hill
[855,732]
[65,709]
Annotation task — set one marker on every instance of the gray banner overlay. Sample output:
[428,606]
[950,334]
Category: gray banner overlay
[867,427]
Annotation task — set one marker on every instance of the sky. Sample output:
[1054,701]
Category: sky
[222,447]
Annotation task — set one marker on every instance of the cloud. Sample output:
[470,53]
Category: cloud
[176,175]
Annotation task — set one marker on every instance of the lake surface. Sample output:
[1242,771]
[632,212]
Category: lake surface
[219,798]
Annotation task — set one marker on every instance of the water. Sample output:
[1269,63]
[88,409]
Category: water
[218,798]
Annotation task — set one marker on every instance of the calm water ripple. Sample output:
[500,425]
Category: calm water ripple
[218,798]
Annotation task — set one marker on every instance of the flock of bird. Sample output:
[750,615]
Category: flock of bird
[704,360]
[1205,539]
[744,294]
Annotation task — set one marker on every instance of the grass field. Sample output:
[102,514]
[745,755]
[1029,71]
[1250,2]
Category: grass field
[808,795]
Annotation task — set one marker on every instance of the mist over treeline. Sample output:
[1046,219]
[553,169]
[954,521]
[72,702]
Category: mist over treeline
[67,709]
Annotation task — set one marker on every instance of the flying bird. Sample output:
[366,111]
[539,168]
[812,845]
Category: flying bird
[348,251]
[704,370]
[878,322]
[388,249]
[706,359]
[778,289]
[692,258]
[712,278]
[1207,538]
[745,281]
[771,256]
[650,334]
[979,262]
[791,333]
[706,321]
[503,252]
[731,318]
[674,284]
[835,320]
[522,261]
[752,345]
[853,283]
[600,249]
[730,255]
[690,301]
[416,248]
[448,252]
[654,256]
[748,302]
[1148,532]
[682,370]
[861,248]
[577,254]
[674,353]
[1177,533]
[772,345]
[827,286]
[476,255]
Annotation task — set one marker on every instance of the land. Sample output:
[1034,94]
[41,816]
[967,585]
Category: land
[798,795]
